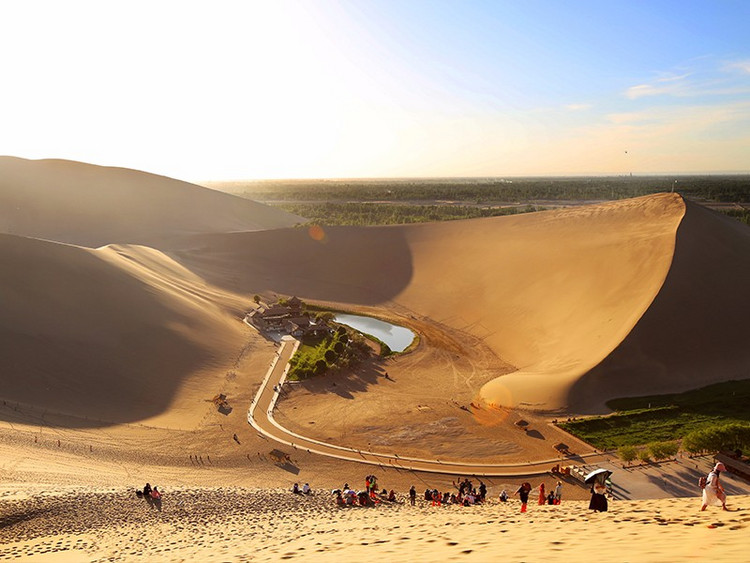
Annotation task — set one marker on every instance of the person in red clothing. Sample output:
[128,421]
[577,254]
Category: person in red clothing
[542,495]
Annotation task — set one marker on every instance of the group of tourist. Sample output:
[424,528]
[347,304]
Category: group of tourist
[467,494]
[370,496]
[553,497]
[305,490]
[152,495]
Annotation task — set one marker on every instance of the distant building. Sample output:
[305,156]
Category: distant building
[286,316]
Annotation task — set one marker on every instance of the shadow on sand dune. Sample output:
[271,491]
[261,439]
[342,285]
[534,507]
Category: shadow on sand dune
[695,332]
[83,338]
[355,265]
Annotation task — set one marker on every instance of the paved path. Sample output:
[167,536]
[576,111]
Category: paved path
[260,416]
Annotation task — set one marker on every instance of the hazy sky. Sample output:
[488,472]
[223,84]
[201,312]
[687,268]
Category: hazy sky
[277,89]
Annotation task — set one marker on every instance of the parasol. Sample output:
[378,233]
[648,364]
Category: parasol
[595,473]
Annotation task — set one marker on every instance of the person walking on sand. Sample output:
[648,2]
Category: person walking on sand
[523,493]
[542,494]
[558,492]
[713,492]
[598,502]
[412,495]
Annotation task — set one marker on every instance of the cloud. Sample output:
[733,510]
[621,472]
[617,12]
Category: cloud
[742,66]
[577,107]
[673,78]
[673,85]
[709,83]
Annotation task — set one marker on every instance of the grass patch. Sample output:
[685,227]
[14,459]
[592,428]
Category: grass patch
[660,418]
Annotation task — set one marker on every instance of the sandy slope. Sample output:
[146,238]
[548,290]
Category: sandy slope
[123,330]
[552,293]
[696,331]
[226,524]
[115,334]
[93,205]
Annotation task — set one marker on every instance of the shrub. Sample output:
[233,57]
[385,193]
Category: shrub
[662,450]
[644,455]
[627,453]
[670,449]
[730,436]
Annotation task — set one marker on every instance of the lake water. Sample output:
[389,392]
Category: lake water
[398,338]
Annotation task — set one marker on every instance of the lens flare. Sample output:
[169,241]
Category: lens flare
[316,232]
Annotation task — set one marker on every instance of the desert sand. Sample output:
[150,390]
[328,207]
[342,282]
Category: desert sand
[122,319]
[229,524]
[90,205]
[553,295]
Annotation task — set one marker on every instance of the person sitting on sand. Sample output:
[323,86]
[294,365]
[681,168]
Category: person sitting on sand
[339,499]
[551,498]
[392,496]
[427,494]
[156,497]
[503,496]
[306,488]
[713,492]
[295,489]
[147,491]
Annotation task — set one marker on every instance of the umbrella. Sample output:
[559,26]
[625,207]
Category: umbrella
[595,473]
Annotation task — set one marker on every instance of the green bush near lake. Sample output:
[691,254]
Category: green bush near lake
[639,421]
[316,356]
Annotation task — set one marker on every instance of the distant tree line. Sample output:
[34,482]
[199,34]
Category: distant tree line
[364,213]
[730,436]
[714,188]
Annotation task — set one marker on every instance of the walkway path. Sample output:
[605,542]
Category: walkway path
[260,416]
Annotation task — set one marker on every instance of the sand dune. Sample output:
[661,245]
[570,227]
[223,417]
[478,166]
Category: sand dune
[572,299]
[113,334]
[230,524]
[554,294]
[696,330]
[94,205]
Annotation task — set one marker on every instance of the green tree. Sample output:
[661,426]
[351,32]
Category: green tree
[644,455]
[627,454]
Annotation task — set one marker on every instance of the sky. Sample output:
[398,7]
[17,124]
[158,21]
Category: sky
[226,90]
